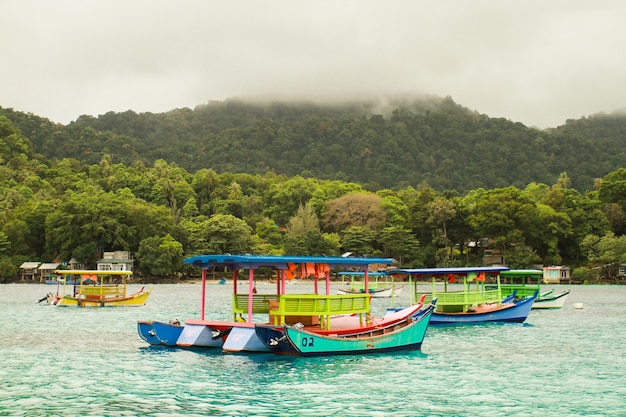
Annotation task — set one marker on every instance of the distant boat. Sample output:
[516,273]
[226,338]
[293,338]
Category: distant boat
[378,293]
[525,282]
[91,290]
[551,301]
[469,305]
[380,286]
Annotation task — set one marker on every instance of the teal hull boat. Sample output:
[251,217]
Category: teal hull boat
[406,335]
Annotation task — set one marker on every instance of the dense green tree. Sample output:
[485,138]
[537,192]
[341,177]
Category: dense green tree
[606,253]
[204,183]
[417,202]
[304,221]
[269,232]
[160,256]
[313,243]
[284,197]
[304,236]
[359,240]
[8,270]
[115,181]
[362,210]
[440,212]
[402,245]
[225,233]
[521,257]
[12,143]
[5,244]
[396,210]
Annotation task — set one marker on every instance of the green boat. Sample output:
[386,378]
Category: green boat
[405,335]
[525,282]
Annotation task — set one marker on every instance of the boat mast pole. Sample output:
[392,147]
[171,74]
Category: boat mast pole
[250,292]
[283,274]
[203,293]
[365,278]
[327,282]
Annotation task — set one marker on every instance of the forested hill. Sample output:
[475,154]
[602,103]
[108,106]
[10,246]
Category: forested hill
[415,142]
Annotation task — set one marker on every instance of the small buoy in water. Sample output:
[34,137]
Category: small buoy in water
[578,305]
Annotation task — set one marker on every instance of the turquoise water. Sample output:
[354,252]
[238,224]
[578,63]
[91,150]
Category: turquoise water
[91,362]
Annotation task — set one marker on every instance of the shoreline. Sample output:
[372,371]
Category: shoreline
[198,281]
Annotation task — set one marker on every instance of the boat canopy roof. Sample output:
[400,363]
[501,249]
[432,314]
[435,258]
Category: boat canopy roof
[281,262]
[361,273]
[463,270]
[521,272]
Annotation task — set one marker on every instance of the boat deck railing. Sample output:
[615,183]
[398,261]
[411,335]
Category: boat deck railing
[102,290]
[322,306]
[260,303]
[466,298]
[523,291]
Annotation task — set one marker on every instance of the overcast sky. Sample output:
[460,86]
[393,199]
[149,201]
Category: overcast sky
[536,62]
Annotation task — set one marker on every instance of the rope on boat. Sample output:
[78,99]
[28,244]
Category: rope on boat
[44,298]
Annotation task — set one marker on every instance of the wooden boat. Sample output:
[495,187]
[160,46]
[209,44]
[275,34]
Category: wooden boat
[381,286]
[273,337]
[107,289]
[525,282]
[160,333]
[318,310]
[466,304]
[407,334]
[551,301]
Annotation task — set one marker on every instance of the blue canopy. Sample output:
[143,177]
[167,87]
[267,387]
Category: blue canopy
[461,270]
[281,262]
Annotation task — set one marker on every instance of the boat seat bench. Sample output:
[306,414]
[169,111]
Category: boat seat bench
[458,301]
[97,291]
[260,303]
[290,307]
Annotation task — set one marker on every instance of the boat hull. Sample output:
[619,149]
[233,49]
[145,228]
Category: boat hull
[243,339]
[407,335]
[507,313]
[167,332]
[201,335]
[137,299]
[552,301]
[145,329]
[273,337]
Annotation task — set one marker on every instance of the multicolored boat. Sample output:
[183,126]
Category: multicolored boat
[526,282]
[407,334]
[317,310]
[381,284]
[473,302]
[93,288]
[274,336]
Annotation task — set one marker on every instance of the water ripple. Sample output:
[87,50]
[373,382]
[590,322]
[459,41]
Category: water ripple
[90,362]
